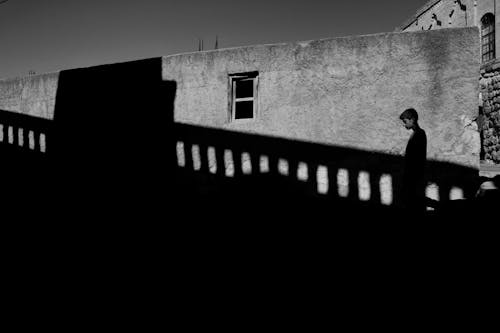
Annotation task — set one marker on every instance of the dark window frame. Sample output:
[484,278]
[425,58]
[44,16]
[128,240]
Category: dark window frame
[488,37]
[235,101]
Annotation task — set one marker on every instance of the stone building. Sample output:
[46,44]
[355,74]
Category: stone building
[317,117]
[438,14]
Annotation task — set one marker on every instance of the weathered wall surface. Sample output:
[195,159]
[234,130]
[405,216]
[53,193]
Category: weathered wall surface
[32,95]
[346,92]
[439,14]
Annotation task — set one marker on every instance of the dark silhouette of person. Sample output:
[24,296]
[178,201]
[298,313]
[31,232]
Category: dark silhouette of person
[414,164]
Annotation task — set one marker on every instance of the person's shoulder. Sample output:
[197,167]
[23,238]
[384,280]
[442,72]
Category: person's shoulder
[421,131]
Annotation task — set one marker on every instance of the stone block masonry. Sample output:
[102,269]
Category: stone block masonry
[490,92]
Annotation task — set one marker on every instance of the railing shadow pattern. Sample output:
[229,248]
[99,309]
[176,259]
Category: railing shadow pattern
[249,168]
[23,133]
[24,150]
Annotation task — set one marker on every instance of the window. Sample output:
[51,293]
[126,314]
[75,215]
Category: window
[243,95]
[488,37]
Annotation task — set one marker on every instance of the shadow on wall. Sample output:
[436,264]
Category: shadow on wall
[23,144]
[248,172]
[102,149]
[113,145]
[112,122]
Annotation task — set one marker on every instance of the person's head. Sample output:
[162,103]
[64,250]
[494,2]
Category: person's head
[409,118]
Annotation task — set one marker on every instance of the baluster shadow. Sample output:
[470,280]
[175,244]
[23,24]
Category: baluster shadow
[372,180]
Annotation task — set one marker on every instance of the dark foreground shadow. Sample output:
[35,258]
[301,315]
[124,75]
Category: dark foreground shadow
[24,163]
[114,199]
[112,125]
[101,156]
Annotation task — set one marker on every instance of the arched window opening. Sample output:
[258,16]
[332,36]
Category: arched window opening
[488,37]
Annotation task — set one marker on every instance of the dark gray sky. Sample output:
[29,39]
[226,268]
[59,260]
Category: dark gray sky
[51,35]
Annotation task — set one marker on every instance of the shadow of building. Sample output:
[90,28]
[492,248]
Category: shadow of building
[112,125]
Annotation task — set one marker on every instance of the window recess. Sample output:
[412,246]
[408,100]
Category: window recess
[244,89]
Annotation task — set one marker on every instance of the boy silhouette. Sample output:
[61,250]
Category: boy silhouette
[414,163]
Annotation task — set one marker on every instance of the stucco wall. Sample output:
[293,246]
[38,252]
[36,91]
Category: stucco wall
[346,92]
[31,95]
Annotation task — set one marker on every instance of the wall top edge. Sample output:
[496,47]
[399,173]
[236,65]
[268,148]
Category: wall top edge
[308,42]
[304,43]
[8,80]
